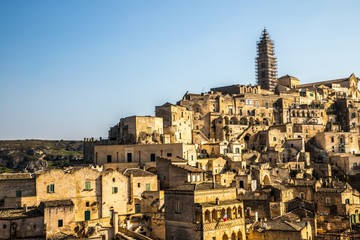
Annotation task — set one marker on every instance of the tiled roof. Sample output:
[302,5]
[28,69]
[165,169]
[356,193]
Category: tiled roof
[198,186]
[58,203]
[13,176]
[222,203]
[18,213]
[136,172]
[190,168]
[280,225]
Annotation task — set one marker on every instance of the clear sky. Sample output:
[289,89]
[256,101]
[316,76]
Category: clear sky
[71,69]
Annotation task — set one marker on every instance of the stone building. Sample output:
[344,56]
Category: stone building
[178,122]
[137,129]
[203,211]
[143,153]
[17,190]
[174,172]
[140,181]
[278,229]
[337,142]
[19,223]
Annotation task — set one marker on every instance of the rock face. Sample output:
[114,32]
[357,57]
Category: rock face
[33,155]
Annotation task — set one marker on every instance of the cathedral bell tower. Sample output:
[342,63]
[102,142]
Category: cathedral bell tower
[266,64]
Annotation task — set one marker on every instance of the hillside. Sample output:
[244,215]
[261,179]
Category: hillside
[33,155]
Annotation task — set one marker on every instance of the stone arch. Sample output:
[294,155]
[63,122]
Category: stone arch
[214,215]
[234,121]
[207,216]
[227,121]
[251,121]
[198,217]
[244,121]
[197,108]
[234,212]
[229,213]
[223,211]
[266,180]
[240,212]
[233,236]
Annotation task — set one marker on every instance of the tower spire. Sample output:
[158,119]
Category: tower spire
[266,64]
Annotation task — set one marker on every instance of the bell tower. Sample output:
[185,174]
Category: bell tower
[266,64]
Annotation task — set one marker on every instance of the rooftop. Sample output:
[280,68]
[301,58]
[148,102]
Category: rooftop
[198,186]
[137,172]
[19,213]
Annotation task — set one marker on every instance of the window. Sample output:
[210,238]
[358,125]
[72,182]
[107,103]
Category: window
[327,201]
[149,130]
[152,157]
[139,185]
[241,184]
[177,207]
[302,195]
[87,185]
[137,208]
[347,201]
[114,190]
[87,215]
[332,139]
[51,188]
[148,187]
[60,223]
[108,159]
[87,204]
[237,150]
[18,193]
[129,157]
[169,154]
[4,226]
[34,226]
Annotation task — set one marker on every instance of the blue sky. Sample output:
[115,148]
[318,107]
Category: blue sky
[71,69]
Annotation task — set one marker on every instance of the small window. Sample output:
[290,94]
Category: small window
[347,201]
[51,188]
[4,226]
[87,204]
[18,193]
[332,139]
[139,184]
[108,159]
[137,208]
[148,187]
[169,154]
[114,190]
[129,157]
[87,185]
[60,223]
[152,157]
[177,207]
